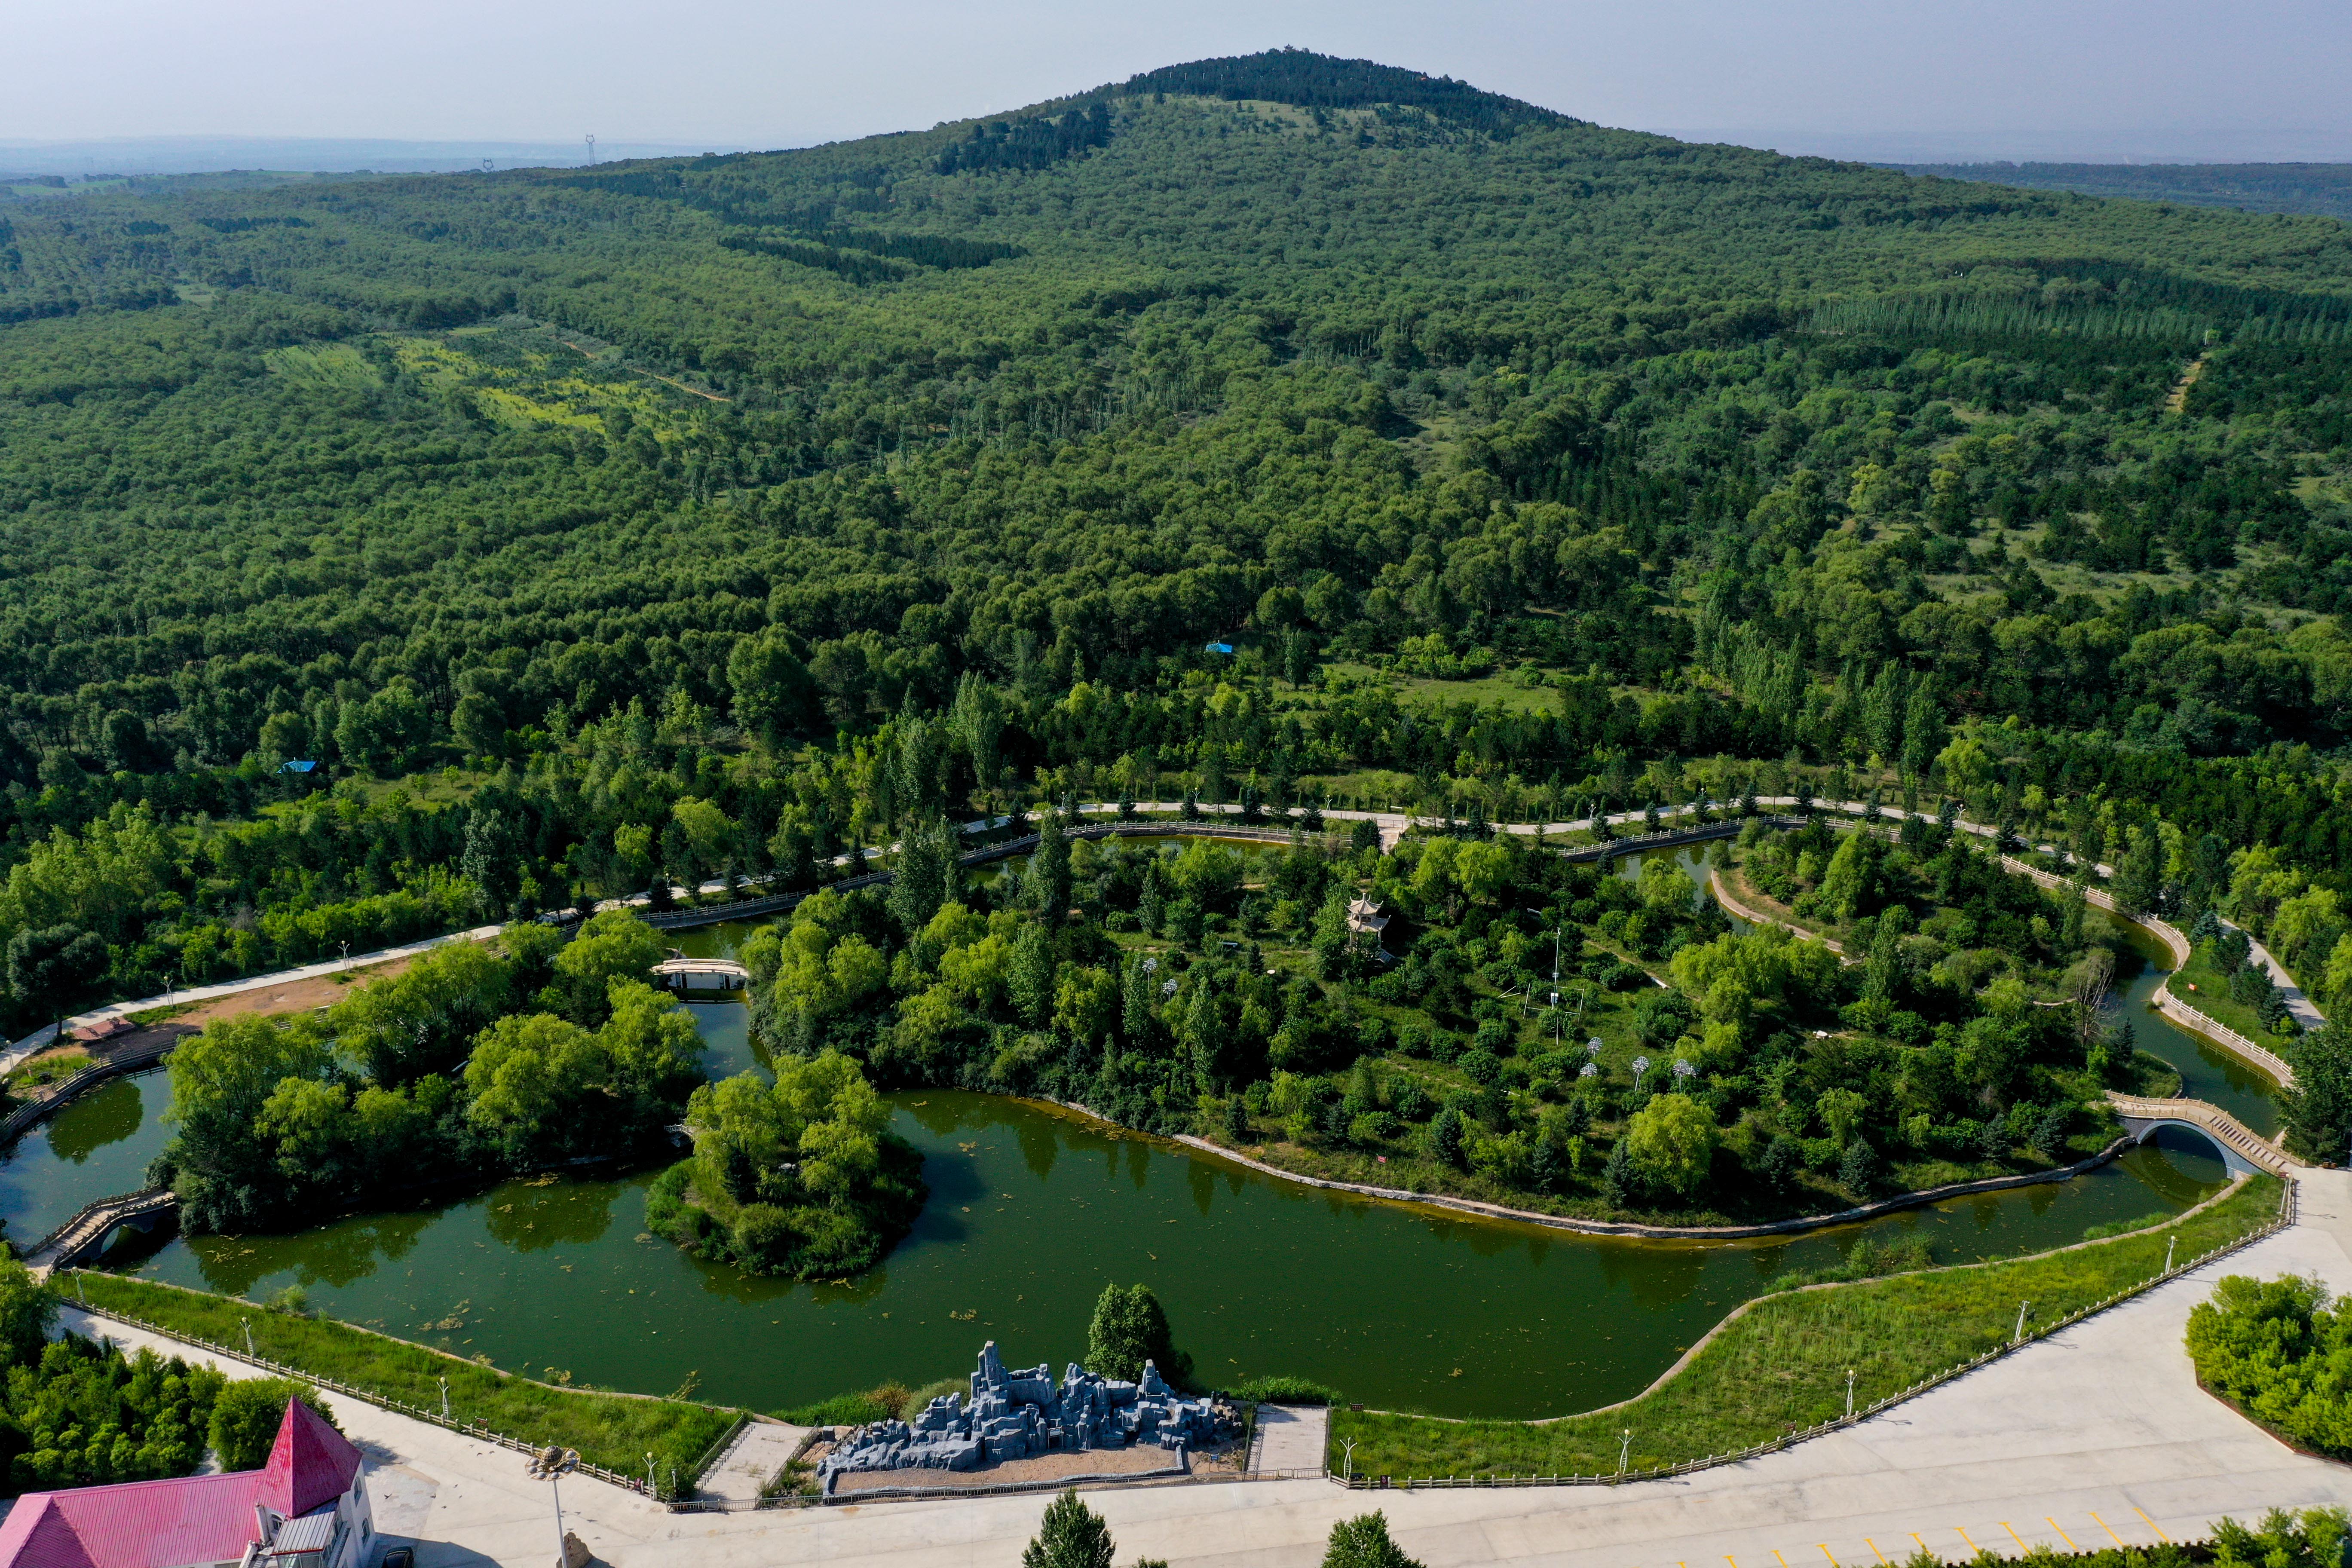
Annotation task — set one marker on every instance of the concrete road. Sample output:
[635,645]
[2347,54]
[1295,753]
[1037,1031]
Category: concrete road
[2096,1436]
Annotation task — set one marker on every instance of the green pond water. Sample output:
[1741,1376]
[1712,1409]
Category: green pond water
[1033,1211]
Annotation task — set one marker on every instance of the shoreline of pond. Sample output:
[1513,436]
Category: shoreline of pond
[1623,1230]
[1662,1279]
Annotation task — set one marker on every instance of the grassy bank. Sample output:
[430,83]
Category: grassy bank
[2207,989]
[1782,1365]
[611,1430]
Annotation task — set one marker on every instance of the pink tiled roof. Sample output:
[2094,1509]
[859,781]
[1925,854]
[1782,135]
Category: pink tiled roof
[312,1465]
[197,1519]
[139,1524]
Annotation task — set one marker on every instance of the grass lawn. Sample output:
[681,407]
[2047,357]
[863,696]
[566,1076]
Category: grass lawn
[1502,686]
[614,1430]
[2207,989]
[1782,1365]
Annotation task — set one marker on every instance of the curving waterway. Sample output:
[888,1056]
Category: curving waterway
[1032,1210]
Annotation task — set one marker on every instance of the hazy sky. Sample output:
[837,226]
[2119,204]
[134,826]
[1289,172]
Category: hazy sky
[775,73]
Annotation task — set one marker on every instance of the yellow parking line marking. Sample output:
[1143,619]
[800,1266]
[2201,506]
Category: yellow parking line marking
[2152,1525]
[1963,1534]
[1778,1558]
[2062,1534]
[2110,1529]
[2014,1536]
[1874,1548]
[1826,1551]
[1923,1545]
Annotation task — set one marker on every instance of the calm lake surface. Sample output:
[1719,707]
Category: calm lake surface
[1032,1212]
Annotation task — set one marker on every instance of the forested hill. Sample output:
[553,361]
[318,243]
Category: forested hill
[1357,368]
[2321,189]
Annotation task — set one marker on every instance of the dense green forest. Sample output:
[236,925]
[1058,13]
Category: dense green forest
[2323,190]
[709,517]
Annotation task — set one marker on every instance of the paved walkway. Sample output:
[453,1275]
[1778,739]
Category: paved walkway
[2095,1435]
[758,1455]
[1289,1437]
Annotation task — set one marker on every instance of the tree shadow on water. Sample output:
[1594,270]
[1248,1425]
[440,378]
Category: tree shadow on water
[532,1218]
[109,1115]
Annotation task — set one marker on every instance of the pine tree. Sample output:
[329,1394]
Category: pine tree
[1049,870]
[1363,1542]
[1446,1136]
[2139,878]
[1129,1327]
[1030,976]
[1071,1535]
[1618,1180]
[1139,1003]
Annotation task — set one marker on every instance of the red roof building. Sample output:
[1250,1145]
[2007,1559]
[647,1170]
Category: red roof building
[306,1508]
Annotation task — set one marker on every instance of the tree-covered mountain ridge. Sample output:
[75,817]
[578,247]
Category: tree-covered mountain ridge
[707,482]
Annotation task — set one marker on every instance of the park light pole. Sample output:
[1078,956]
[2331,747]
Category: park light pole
[1849,1394]
[1624,1447]
[551,1465]
[2021,1322]
[248,1323]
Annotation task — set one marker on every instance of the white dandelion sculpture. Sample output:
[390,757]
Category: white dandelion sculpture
[1640,1066]
[1684,1071]
[1588,1070]
[1592,1046]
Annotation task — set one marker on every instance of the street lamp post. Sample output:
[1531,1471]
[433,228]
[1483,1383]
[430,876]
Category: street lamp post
[550,1465]
[2021,1321]
[248,1323]
[1624,1447]
[1849,1394]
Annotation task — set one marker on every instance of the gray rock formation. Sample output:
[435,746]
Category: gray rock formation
[1013,1415]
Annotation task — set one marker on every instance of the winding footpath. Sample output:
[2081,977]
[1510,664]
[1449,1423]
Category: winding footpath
[1392,825]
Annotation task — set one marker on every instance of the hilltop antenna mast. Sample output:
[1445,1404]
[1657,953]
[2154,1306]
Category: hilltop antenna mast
[592,150]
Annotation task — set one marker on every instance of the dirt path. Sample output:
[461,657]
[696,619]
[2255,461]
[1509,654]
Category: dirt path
[2177,399]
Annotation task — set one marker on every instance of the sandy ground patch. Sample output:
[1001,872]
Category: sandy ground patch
[293,996]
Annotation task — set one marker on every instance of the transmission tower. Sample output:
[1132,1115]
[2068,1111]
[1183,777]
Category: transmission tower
[592,150]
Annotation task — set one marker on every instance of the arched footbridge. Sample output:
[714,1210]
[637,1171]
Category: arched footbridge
[85,1234]
[691,974]
[2242,1150]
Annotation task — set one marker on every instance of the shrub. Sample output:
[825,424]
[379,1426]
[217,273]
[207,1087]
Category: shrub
[1283,1390]
[1363,1542]
[1071,1535]
[2271,1348]
[81,1413]
[248,1413]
